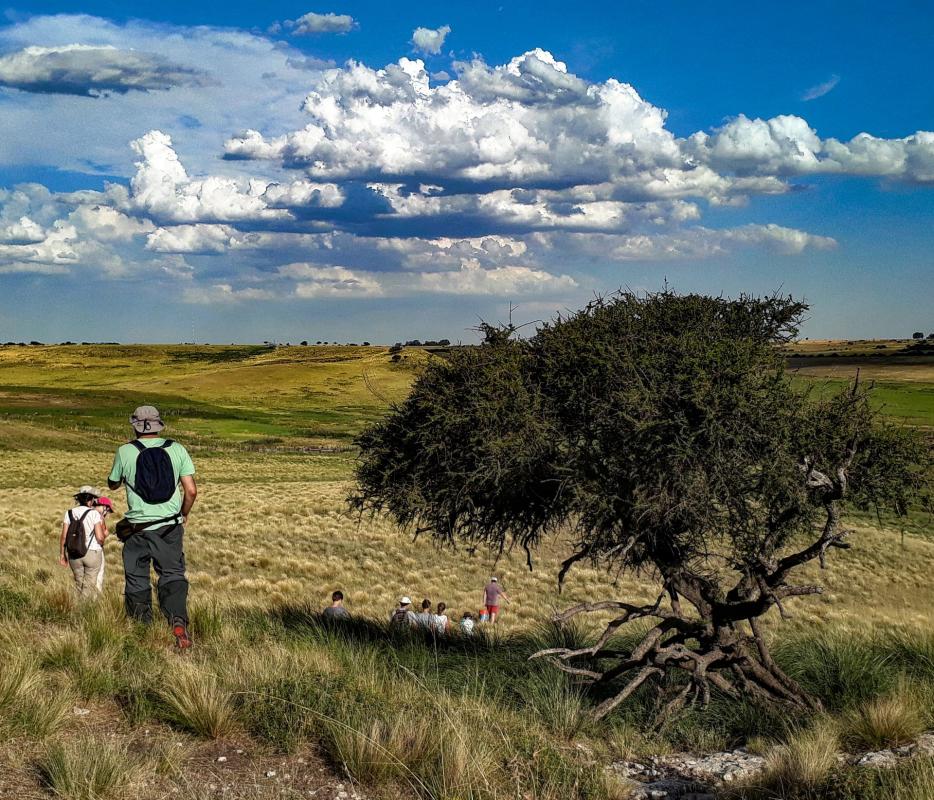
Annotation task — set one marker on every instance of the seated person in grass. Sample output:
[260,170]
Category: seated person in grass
[440,622]
[424,617]
[336,610]
[85,568]
[467,624]
[402,615]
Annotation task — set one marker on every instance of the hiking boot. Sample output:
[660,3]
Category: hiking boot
[180,632]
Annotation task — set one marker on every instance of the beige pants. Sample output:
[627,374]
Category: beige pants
[86,571]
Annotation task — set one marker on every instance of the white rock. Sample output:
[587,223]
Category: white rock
[221,759]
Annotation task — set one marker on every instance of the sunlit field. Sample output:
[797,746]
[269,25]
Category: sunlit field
[269,689]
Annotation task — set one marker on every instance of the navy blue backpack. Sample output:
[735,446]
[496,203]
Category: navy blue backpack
[155,477]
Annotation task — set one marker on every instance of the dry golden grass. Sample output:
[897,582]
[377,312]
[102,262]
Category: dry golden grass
[272,528]
[805,761]
[889,721]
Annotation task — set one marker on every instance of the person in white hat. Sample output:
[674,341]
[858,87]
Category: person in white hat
[86,568]
[402,614]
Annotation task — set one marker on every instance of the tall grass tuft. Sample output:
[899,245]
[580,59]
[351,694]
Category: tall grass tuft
[558,702]
[841,669]
[887,721]
[913,779]
[195,700]
[87,769]
[27,707]
[803,764]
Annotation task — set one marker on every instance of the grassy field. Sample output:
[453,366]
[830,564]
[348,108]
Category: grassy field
[270,690]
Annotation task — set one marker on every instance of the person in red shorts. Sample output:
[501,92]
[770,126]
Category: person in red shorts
[492,592]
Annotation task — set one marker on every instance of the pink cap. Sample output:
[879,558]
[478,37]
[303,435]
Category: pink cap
[105,501]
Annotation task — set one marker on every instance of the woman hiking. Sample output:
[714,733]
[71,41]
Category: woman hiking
[85,567]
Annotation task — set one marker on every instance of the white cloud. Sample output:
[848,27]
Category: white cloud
[694,243]
[106,224]
[430,40]
[329,281]
[192,239]
[303,194]
[312,23]
[161,187]
[472,279]
[88,70]
[224,293]
[524,123]
[504,181]
[225,80]
[787,145]
[23,231]
[820,89]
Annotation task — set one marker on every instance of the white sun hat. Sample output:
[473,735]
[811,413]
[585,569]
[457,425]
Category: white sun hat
[405,601]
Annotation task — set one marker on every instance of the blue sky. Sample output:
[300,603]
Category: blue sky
[356,171]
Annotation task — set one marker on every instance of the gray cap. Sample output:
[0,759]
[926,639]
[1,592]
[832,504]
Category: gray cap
[88,490]
[146,419]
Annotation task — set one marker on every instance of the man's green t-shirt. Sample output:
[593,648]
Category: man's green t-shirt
[124,469]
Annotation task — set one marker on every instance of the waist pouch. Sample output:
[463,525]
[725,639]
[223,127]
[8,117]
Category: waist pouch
[125,529]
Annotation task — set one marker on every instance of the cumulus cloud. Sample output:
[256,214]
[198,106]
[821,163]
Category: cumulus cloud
[330,281]
[787,145]
[161,187]
[191,239]
[23,231]
[694,243]
[471,278]
[525,123]
[90,71]
[505,181]
[820,89]
[430,40]
[312,23]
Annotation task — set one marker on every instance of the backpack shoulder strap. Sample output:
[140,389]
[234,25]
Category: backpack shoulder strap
[71,516]
[138,445]
[167,444]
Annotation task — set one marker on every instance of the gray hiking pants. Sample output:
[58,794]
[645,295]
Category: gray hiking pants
[161,547]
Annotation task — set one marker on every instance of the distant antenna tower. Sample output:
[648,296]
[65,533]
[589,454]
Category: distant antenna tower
[193,330]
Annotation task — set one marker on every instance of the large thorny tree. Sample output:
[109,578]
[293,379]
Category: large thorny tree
[660,433]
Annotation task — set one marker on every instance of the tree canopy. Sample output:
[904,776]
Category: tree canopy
[658,431]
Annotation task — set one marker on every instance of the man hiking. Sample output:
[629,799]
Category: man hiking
[160,491]
[492,592]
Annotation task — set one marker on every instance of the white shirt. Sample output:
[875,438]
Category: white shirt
[91,519]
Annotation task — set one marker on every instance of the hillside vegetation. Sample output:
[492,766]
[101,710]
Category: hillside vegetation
[270,690]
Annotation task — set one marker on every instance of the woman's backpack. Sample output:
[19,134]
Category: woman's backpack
[76,538]
[155,477]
